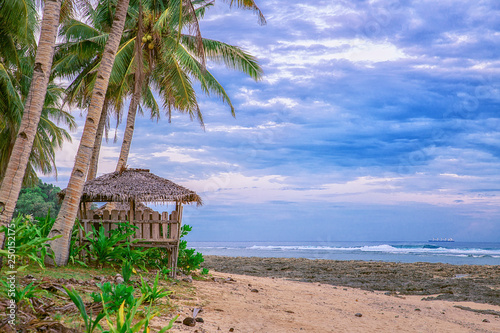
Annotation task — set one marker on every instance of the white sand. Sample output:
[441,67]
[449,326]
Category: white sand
[288,306]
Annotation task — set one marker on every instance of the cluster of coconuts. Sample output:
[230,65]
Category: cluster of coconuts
[148,38]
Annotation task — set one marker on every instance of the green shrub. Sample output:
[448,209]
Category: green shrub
[136,256]
[21,295]
[127,270]
[74,248]
[106,246]
[90,324]
[125,318]
[30,240]
[154,293]
[113,295]
[156,258]
[189,259]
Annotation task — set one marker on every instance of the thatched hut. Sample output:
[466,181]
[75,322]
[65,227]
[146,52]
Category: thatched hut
[124,191]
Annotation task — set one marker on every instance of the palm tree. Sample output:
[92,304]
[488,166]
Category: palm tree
[65,219]
[15,15]
[69,208]
[81,51]
[48,136]
[173,57]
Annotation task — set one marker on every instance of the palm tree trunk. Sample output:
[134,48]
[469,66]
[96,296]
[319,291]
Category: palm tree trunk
[66,218]
[94,161]
[13,179]
[134,102]
[129,129]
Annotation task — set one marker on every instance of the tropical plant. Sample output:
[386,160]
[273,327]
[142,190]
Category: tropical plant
[21,295]
[105,246]
[135,256]
[165,272]
[31,240]
[127,270]
[75,248]
[113,295]
[157,258]
[188,260]
[69,208]
[125,320]
[89,323]
[153,293]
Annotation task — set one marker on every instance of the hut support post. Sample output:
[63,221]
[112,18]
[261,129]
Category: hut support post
[174,256]
[81,216]
[131,214]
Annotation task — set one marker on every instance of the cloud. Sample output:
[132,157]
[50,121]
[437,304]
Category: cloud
[390,105]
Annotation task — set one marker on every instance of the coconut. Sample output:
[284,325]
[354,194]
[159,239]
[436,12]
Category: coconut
[150,38]
[144,39]
[151,46]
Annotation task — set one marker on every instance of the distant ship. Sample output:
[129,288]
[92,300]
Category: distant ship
[441,240]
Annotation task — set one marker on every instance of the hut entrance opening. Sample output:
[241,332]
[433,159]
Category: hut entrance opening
[124,193]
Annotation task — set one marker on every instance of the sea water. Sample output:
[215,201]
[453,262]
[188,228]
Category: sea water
[458,253]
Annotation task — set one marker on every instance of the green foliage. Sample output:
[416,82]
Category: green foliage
[157,258]
[113,295]
[127,270]
[30,240]
[165,272]
[135,255]
[74,248]
[90,324]
[21,295]
[189,259]
[154,293]
[106,246]
[39,200]
[125,320]
[204,271]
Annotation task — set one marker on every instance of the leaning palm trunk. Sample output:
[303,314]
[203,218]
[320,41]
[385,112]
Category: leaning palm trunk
[12,181]
[66,218]
[134,102]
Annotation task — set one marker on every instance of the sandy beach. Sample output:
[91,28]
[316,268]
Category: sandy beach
[242,303]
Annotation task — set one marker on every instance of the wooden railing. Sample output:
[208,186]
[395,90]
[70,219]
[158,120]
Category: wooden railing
[153,229]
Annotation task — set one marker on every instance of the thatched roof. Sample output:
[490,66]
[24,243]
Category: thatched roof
[135,184]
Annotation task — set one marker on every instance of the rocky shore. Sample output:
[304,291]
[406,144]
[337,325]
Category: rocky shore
[432,280]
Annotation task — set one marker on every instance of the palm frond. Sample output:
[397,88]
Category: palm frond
[232,56]
[251,5]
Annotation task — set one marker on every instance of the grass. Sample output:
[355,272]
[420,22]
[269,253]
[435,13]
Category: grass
[184,292]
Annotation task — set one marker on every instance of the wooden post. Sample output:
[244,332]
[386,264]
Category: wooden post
[106,225]
[115,217]
[174,227]
[155,226]
[138,218]
[146,230]
[131,212]
[176,235]
[164,226]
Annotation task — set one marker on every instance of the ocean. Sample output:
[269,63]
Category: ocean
[457,253]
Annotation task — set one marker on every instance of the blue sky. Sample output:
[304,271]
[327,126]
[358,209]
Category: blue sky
[375,120]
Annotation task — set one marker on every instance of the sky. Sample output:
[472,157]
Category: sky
[374,120]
